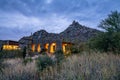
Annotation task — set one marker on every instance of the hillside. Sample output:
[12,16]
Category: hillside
[78,33]
[74,33]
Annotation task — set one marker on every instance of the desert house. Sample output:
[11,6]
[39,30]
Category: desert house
[9,45]
[51,46]
[42,40]
[50,42]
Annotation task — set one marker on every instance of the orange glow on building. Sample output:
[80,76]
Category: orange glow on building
[38,48]
[52,47]
[33,47]
[64,47]
[10,47]
[46,47]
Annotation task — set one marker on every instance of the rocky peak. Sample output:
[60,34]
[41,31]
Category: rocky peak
[40,32]
[75,32]
[75,24]
[43,31]
[78,32]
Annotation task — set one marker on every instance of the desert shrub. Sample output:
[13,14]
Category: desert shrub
[78,48]
[43,53]
[43,50]
[1,62]
[59,55]
[74,50]
[17,71]
[1,48]
[110,39]
[86,67]
[27,60]
[24,52]
[111,23]
[106,42]
[23,76]
[43,62]
[11,54]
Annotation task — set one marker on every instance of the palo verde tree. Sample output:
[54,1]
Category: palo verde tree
[110,39]
[111,23]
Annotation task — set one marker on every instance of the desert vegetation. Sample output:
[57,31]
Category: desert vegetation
[109,40]
[11,54]
[84,66]
[94,66]
[97,59]
[16,70]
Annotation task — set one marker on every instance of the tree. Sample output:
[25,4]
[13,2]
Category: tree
[24,52]
[111,23]
[110,39]
[105,42]
[1,62]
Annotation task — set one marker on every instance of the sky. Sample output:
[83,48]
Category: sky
[20,18]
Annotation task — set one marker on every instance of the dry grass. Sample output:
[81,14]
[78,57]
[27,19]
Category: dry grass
[16,70]
[86,67]
[93,66]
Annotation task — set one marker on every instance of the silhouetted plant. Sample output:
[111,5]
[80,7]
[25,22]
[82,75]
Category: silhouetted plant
[43,62]
[110,39]
[24,52]
[43,51]
[111,23]
[1,61]
[59,55]
[11,54]
[74,50]
[27,60]
[1,48]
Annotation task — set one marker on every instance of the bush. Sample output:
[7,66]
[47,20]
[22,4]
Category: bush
[24,52]
[43,50]
[27,60]
[43,62]
[106,42]
[1,62]
[74,50]
[110,39]
[11,54]
[86,67]
[59,55]
[78,48]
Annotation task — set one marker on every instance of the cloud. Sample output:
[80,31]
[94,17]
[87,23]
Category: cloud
[17,20]
[23,25]
[49,1]
[21,17]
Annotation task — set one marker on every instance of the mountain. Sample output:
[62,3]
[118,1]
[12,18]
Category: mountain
[74,33]
[78,33]
[42,34]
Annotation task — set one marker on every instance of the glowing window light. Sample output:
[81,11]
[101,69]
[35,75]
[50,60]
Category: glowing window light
[10,47]
[52,47]
[46,47]
[64,47]
[38,48]
[33,47]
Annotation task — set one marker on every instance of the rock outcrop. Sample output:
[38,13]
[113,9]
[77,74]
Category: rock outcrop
[74,33]
[78,33]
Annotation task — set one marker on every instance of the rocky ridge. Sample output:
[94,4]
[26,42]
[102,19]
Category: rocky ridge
[74,33]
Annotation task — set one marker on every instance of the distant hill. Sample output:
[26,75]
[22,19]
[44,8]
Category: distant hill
[74,33]
[78,33]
